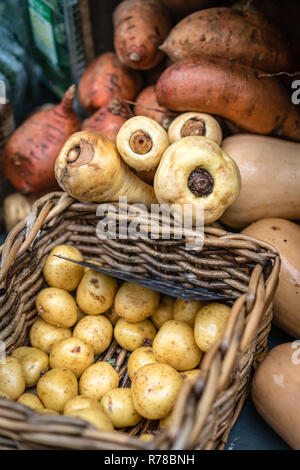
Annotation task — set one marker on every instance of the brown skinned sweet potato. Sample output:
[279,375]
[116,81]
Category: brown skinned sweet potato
[106,78]
[147,105]
[232,91]
[140,27]
[227,33]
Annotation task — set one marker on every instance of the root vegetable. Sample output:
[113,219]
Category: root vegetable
[29,155]
[232,91]
[194,171]
[107,120]
[106,78]
[270,174]
[140,27]
[89,168]
[195,124]
[141,142]
[147,105]
[246,37]
[16,207]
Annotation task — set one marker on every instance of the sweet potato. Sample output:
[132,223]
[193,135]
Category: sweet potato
[107,120]
[106,78]
[29,155]
[232,91]
[140,27]
[244,36]
[147,105]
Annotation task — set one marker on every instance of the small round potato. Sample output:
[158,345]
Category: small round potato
[186,311]
[175,345]
[43,336]
[118,406]
[30,400]
[80,402]
[135,303]
[61,273]
[131,336]
[93,415]
[95,330]
[56,387]
[96,292]
[139,358]
[57,307]
[73,354]
[34,362]
[98,379]
[190,374]
[164,311]
[21,352]
[154,390]
[12,380]
[210,324]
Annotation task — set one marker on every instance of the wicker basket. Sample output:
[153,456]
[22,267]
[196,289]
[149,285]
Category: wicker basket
[208,406]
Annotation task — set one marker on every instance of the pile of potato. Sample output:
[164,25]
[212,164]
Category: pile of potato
[79,314]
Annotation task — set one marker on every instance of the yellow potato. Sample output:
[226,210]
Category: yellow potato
[61,273]
[190,374]
[73,354]
[95,330]
[43,336]
[139,358]
[57,307]
[34,362]
[21,352]
[135,303]
[98,379]
[57,387]
[154,390]
[164,311]
[30,400]
[80,402]
[134,335]
[94,416]
[12,380]
[146,437]
[186,311]
[118,406]
[210,324]
[96,292]
[175,345]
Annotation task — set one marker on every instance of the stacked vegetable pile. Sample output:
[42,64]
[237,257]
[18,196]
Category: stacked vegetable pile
[217,72]
[161,339]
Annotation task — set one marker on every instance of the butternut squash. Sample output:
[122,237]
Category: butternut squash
[285,236]
[270,172]
[276,391]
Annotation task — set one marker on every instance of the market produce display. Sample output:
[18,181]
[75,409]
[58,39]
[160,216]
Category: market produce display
[63,369]
[192,110]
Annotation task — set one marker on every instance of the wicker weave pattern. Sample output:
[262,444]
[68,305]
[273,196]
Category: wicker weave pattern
[208,406]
